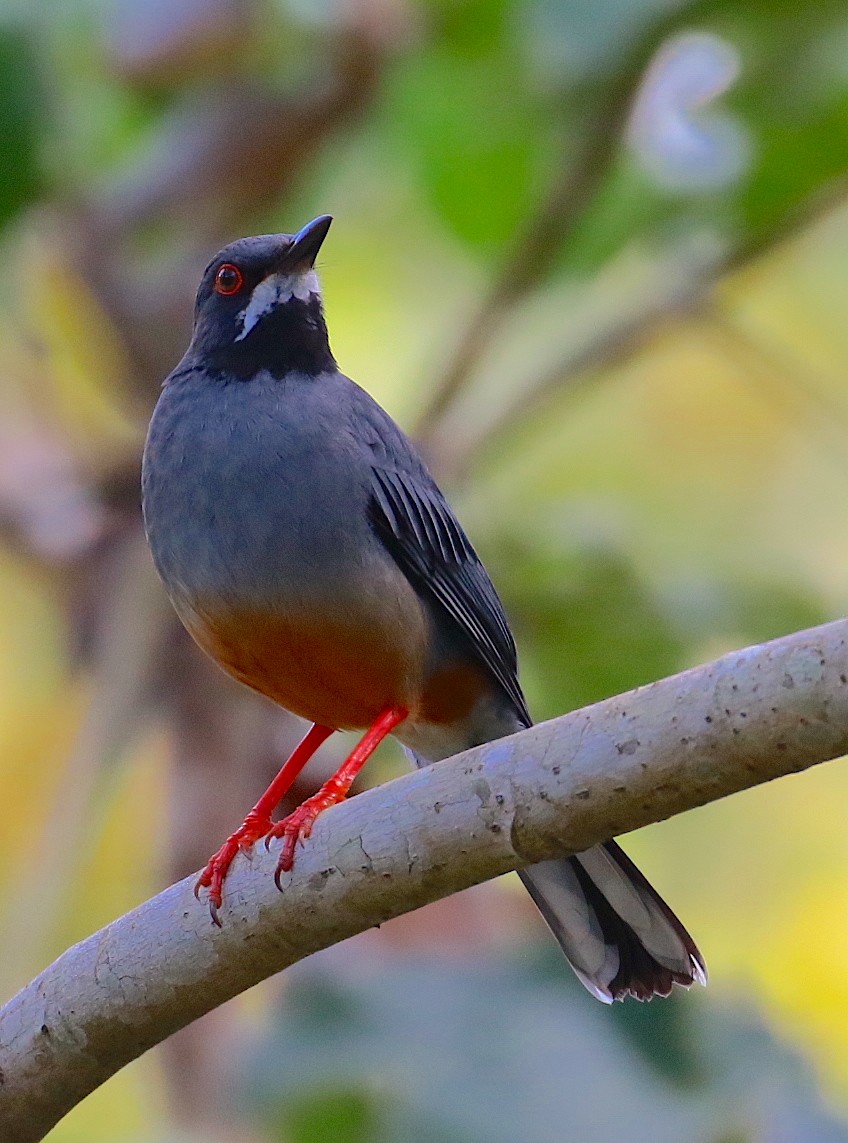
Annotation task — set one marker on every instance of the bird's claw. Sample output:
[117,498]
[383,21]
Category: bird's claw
[291,836]
[215,871]
[296,828]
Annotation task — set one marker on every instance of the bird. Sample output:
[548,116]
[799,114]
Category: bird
[308,550]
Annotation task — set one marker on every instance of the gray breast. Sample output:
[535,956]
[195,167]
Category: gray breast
[253,489]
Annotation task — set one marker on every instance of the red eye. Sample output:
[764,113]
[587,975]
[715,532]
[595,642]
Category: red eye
[229,279]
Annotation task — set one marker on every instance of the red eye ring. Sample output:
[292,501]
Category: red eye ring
[229,279]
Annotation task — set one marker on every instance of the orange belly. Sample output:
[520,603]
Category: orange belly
[338,672]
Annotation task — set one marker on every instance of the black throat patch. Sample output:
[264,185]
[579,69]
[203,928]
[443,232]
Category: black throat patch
[293,337]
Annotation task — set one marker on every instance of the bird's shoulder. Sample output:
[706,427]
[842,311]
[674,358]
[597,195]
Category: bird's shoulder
[381,437]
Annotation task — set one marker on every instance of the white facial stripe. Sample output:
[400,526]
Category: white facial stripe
[273,291]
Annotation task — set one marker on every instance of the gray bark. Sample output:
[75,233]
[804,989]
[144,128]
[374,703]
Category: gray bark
[557,788]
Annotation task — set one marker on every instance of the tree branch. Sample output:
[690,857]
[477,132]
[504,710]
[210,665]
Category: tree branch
[557,788]
[537,245]
[682,286]
[675,289]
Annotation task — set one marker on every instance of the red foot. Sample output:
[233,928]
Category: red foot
[258,821]
[298,825]
[215,871]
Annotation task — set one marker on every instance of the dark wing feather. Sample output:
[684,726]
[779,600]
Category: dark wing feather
[419,529]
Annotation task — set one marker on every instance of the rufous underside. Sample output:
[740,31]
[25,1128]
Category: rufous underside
[336,672]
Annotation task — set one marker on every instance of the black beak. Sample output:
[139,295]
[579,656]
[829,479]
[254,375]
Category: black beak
[305,245]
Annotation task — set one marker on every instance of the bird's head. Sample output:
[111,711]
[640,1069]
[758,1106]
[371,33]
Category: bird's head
[259,306]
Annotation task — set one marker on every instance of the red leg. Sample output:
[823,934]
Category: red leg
[258,821]
[298,825]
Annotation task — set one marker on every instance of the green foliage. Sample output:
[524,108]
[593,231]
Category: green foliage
[21,121]
[335,1116]
[480,1051]
[591,631]
[482,139]
[470,126]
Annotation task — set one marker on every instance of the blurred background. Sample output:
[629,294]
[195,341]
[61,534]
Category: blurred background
[592,254]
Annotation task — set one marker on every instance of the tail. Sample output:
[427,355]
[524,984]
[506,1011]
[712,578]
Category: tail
[618,934]
[616,931]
